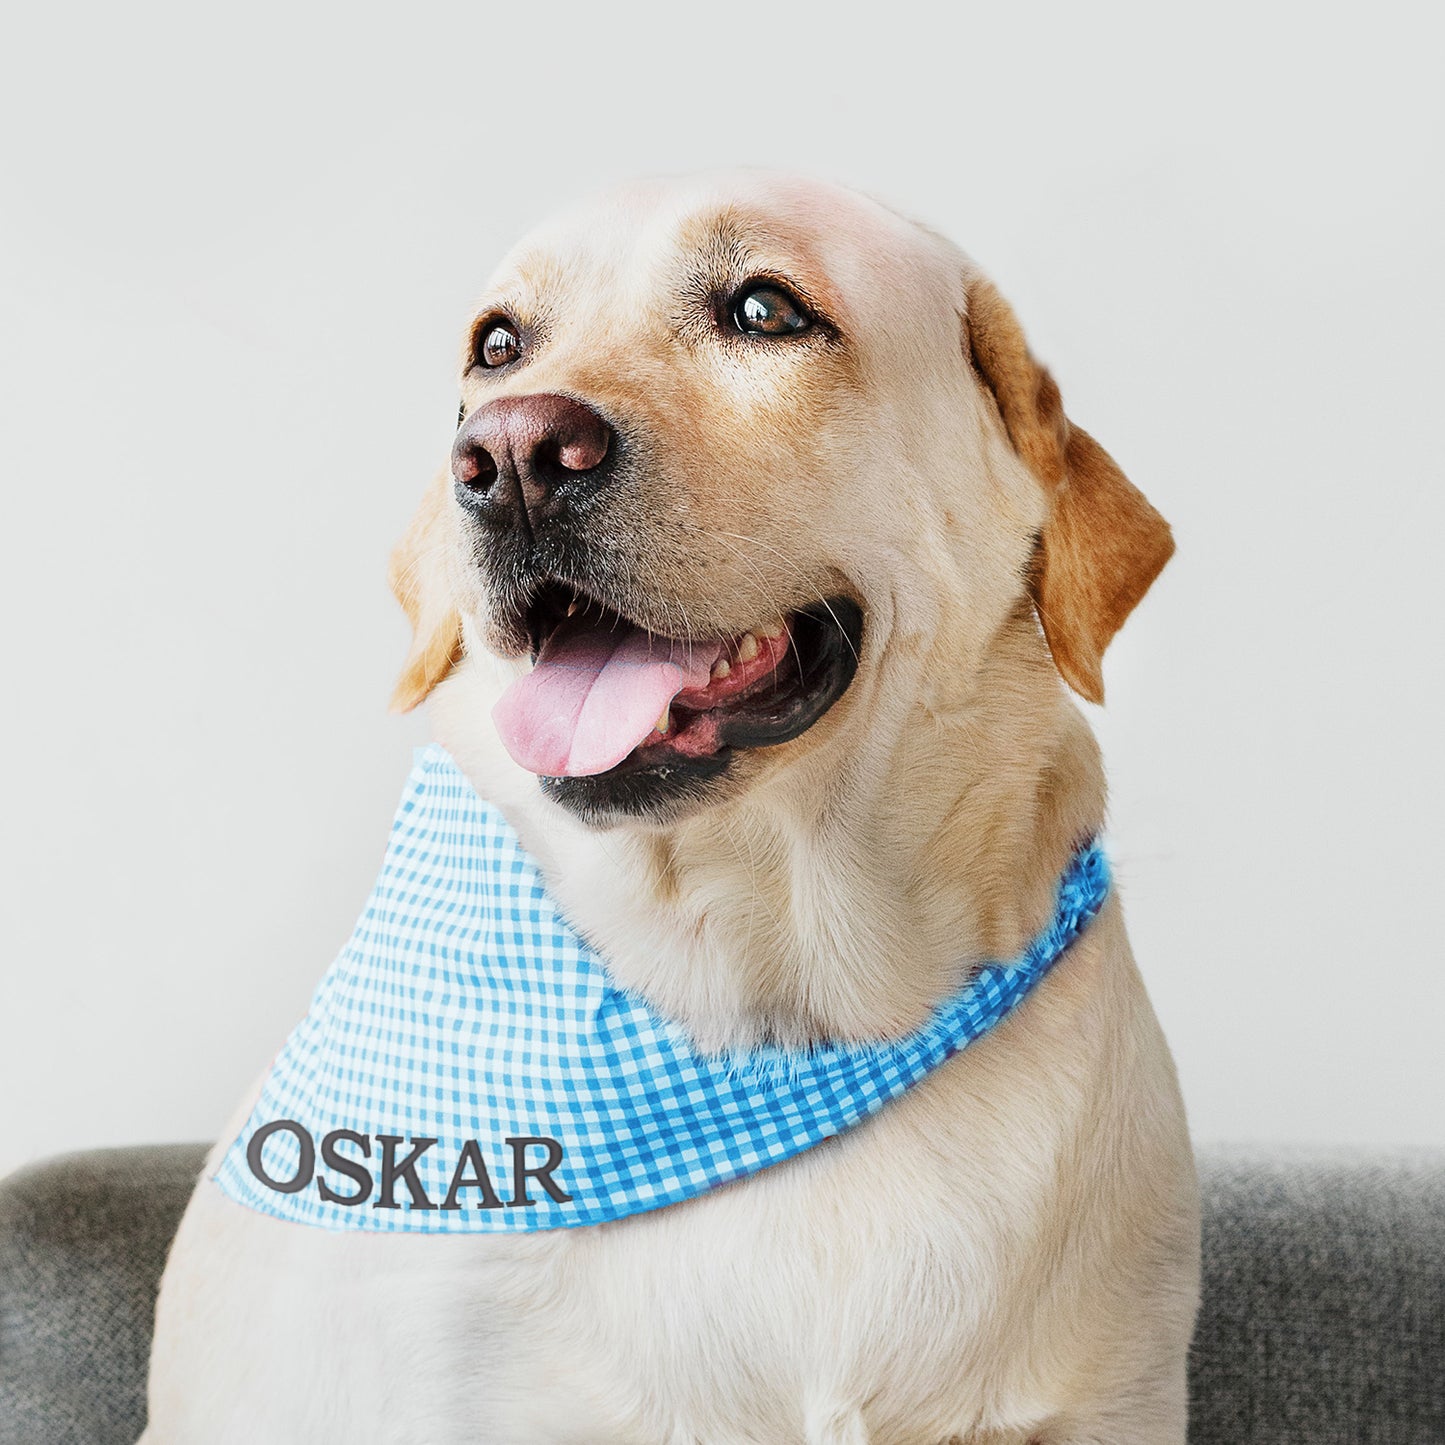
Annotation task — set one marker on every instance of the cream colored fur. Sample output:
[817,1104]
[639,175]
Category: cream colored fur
[1007,1254]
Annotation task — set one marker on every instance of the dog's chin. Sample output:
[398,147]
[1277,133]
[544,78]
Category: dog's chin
[715,753]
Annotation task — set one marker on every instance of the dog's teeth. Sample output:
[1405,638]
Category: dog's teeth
[665,721]
[773,630]
[721,668]
[572,607]
[747,648]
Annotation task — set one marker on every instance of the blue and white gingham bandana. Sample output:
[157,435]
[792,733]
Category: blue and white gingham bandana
[468,1066]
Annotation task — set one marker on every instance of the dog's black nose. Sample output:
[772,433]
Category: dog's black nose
[518,451]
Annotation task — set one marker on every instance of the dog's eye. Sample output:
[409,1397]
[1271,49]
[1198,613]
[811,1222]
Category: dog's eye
[498,345]
[765,309]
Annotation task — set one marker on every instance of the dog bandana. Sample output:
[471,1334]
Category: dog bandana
[468,1065]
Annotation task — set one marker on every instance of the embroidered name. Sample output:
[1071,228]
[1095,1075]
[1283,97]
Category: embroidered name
[397,1168]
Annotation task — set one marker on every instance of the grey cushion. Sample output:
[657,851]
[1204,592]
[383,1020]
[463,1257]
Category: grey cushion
[83,1240]
[1323,1319]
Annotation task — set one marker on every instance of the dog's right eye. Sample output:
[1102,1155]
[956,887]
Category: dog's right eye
[498,345]
[763,308]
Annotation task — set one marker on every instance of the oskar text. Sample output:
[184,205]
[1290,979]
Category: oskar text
[354,1183]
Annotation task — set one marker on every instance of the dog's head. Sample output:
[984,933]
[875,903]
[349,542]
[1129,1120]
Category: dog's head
[747,466]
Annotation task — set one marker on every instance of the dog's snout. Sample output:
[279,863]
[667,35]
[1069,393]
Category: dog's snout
[519,450]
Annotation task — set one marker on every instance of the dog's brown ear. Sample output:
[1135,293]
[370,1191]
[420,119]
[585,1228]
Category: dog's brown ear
[418,576]
[1102,545]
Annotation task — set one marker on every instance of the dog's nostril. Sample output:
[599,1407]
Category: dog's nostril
[475,469]
[584,450]
[557,458]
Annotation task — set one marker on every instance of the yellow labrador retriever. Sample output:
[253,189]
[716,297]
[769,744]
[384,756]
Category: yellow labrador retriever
[773,415]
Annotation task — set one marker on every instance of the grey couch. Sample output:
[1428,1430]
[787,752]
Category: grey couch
[1323,1319]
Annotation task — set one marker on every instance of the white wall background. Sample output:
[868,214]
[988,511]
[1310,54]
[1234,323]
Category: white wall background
[238,248]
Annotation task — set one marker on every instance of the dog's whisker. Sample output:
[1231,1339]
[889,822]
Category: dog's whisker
[823,601]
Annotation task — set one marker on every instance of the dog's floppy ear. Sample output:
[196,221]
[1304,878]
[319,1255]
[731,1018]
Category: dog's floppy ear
[418,576]
[1102,544]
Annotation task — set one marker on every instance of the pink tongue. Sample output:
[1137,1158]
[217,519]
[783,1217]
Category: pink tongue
[595,692]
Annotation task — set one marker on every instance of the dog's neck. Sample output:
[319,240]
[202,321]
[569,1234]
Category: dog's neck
[837,903]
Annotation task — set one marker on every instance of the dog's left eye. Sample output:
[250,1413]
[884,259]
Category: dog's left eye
[766,309]
[498,345]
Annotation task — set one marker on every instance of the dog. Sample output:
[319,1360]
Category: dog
[774,417]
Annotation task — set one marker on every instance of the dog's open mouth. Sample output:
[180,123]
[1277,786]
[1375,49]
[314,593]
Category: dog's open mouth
[605,696]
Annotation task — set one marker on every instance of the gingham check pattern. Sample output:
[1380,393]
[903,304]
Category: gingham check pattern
[465,1007]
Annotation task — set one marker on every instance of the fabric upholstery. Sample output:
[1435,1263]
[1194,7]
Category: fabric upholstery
[83,1240]
[1323,1320]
